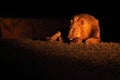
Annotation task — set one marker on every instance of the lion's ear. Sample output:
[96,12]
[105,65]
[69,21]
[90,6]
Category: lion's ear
[81,20]
[71,21]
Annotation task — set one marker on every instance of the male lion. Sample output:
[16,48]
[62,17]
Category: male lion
[83,28]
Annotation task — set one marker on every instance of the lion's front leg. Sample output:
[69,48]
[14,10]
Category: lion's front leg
[56,37]
[76,40]
[92,41]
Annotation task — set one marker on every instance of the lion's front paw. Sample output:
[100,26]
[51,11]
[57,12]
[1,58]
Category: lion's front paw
[92,41]
[76,41]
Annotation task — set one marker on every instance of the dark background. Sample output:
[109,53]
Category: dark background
[101,9]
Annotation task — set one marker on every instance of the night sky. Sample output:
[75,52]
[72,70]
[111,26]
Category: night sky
[101,9]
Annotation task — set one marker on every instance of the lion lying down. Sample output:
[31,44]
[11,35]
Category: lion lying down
[83,28]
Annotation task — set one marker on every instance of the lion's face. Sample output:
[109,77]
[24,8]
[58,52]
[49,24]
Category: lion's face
[75,30]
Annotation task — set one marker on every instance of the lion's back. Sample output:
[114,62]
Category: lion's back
[91,19]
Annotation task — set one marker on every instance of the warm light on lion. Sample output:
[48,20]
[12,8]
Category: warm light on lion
[83,28]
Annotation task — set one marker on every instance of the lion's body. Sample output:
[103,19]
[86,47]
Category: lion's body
[83,27]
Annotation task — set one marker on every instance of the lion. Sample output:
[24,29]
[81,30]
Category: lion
[83,28]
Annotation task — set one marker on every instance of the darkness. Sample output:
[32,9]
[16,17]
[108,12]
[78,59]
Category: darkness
[101,9]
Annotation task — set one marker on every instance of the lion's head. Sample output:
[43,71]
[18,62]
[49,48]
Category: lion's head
[76,28]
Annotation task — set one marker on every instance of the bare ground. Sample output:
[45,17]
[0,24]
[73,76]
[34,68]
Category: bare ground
[26,58]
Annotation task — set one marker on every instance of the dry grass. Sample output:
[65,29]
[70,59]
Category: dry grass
[100,53]
[60,61]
